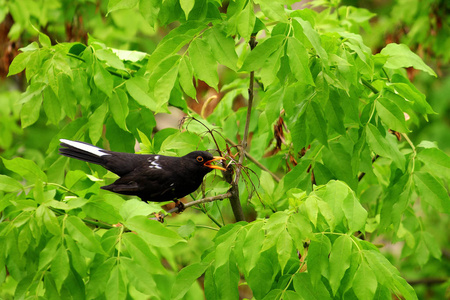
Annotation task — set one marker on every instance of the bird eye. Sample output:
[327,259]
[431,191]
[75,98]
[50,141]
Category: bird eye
[199,159]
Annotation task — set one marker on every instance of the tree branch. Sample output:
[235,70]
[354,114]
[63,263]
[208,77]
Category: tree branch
[203,200]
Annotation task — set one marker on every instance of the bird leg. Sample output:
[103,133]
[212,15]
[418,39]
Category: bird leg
[179,205]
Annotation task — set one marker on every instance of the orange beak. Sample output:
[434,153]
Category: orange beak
[209,165]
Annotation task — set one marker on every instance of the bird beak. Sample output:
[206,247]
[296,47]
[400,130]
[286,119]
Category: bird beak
[209,165]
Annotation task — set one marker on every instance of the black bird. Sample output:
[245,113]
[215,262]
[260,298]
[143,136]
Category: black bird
[154,178]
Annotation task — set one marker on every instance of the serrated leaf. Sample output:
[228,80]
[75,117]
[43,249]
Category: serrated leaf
[29,113]
[284,248]
[272,9]
[83,235]
[141,252]
[381,146]
[305,286]
[261,52]
[185,278]
[121,4]
[95,123]
[364,283]
[246,21]
[317,258]
[66,95]
[355,214]
[222,47]
[203,62]
[26,168]
[339,261]
[313,37]
[391,115]
[299,61]
[165,84]
[116,288]
[153,232]
[316,122]
[400,56]
[186,77]
[108,56]
[19,63]
[436,162]
[103,79]
[52,106]
[8,184]
[60,267]
[100,210]
[118,105]
[138,89]
[432,191]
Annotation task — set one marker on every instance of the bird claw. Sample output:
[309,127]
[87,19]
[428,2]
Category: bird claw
[159,218]
[180,206]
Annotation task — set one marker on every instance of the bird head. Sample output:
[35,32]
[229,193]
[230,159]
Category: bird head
[205,160]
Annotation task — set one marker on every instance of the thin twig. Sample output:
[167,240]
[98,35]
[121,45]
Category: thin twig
[203,200]
[255,161]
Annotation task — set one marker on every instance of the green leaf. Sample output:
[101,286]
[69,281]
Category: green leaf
[116,288]
[317,258]
[100,210]
[139,277]
[50,221]
[308,289]
[8,184]
[48,253]
[134,207]
[60,266]
[108,56]
[118,105]
[313,37]
[227,278]
[83,235]
[246,21]
[153,232]
[121,4]
[400,56]
[26,168]
[381,146]
[364,283]
[271,66]
[203,62]
[251,249]
[273,9]
[186,6]
[432,191]
[137,87]
[316,122]
[19,63]
[391,115]
[436,162]
[99,274]
[185,278]
[95,123]
[339,261]
[355,214]
[261,277]
[285,248]
[186,77]
[141,252]
[388,275]
[52,106]
[103,79]
[30,110]
[299,61]
[66,95]
[222,47]
[165,84]
[261,52]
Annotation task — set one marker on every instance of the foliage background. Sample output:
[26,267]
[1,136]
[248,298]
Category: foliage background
[46,239]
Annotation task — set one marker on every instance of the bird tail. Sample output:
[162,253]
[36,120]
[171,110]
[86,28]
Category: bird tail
[83,151]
